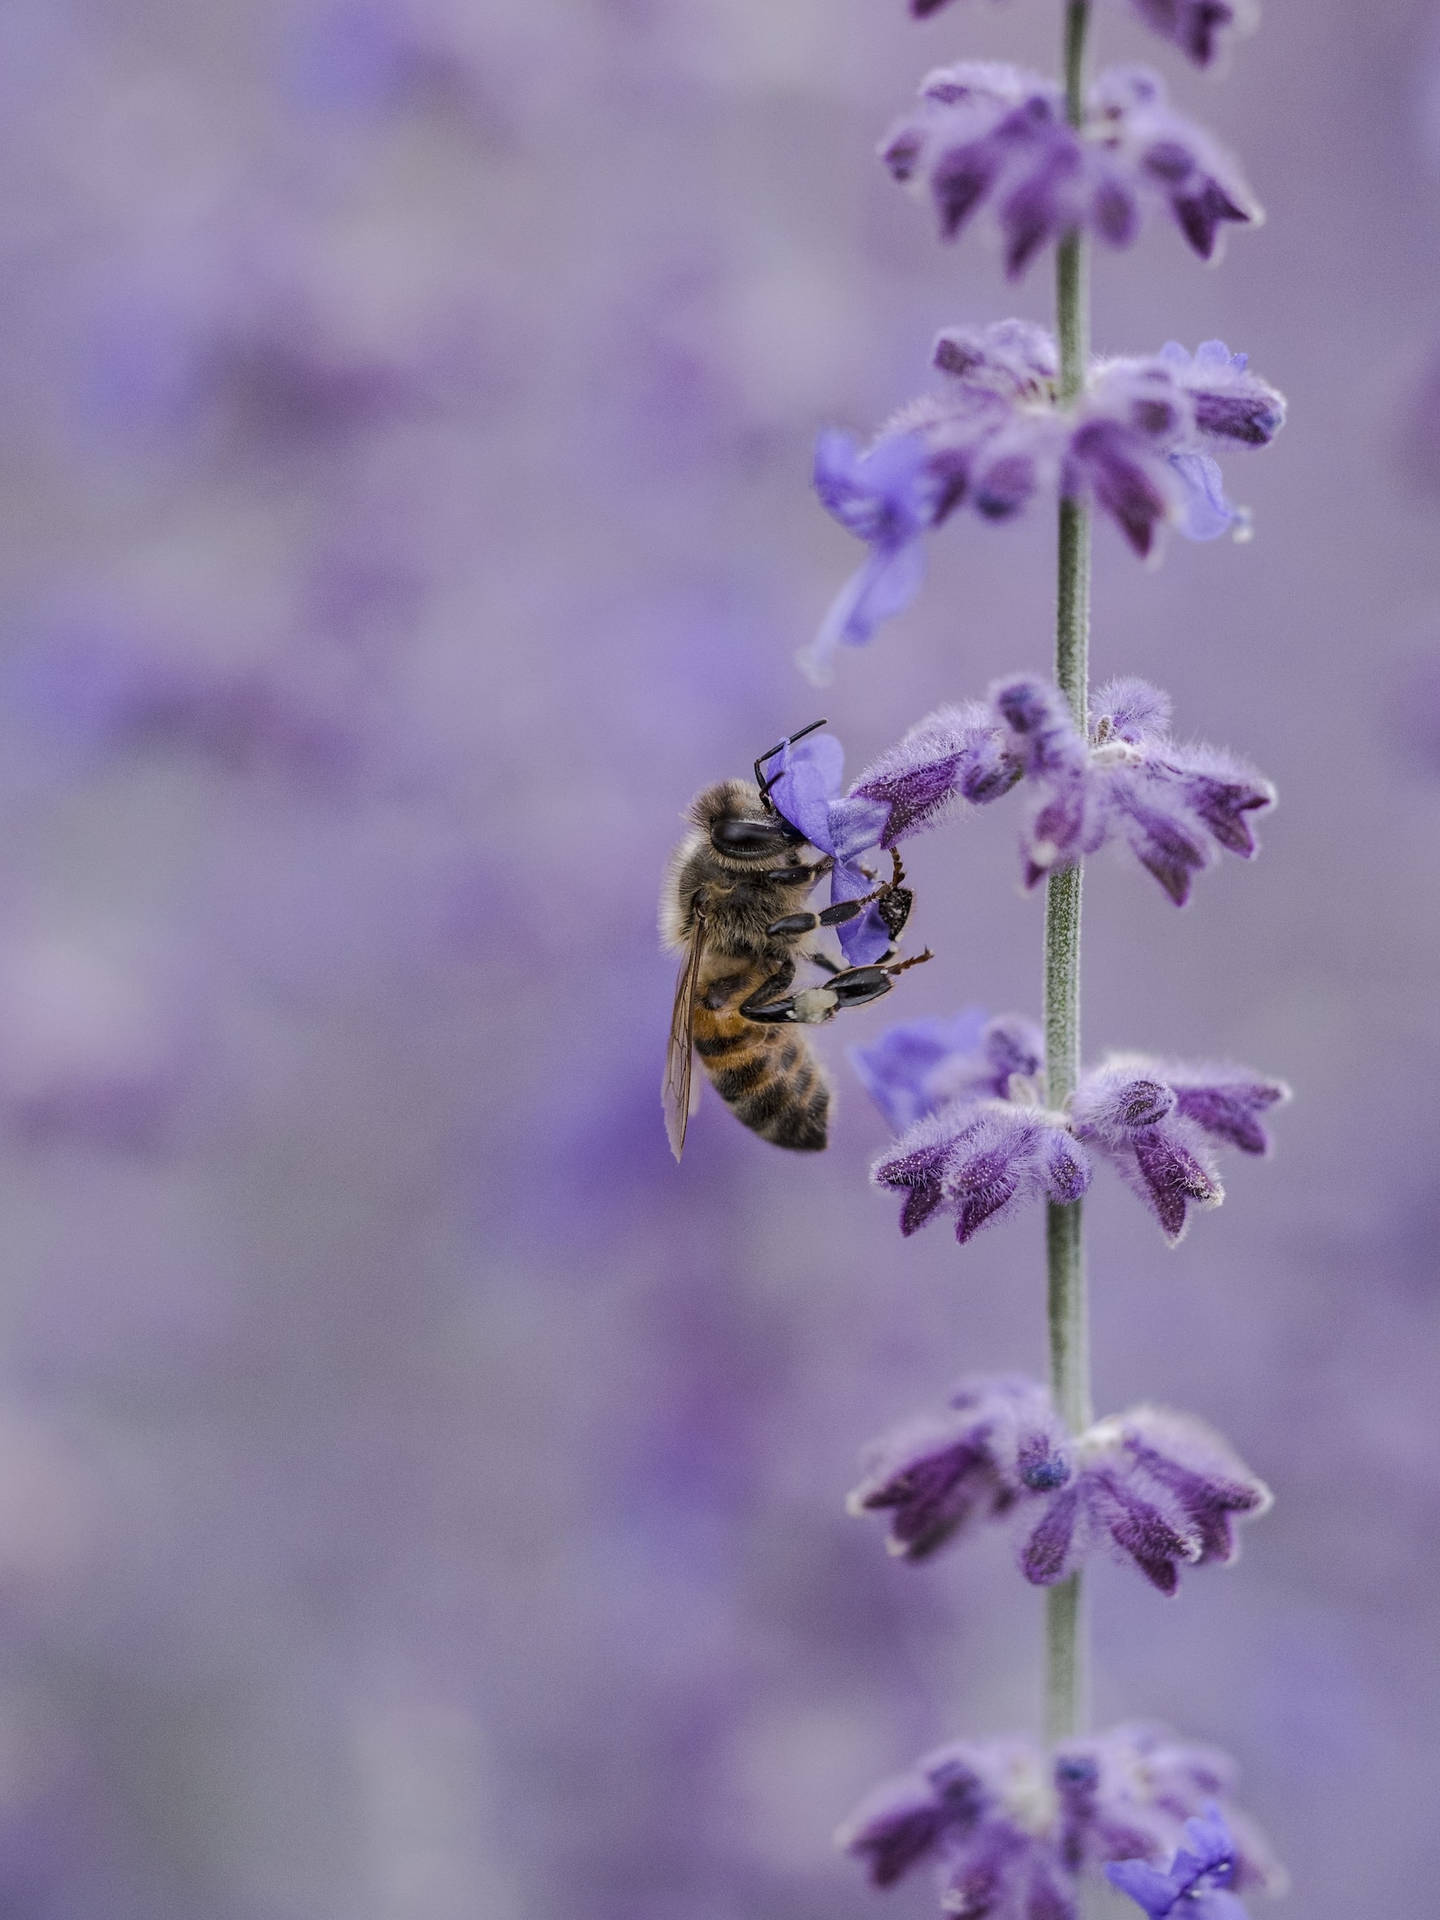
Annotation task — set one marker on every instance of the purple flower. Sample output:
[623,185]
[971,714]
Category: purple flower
[1205,512]
[1155,1121]
[954,755]
[886,497]
[916,1167]
[1154,1487]
[896,1827]
[980,1145]
[999,1443]
[986,133]
[919,1066]
[980,1163]
[1013,1828]
[895,1071]
[1066,820]
[1199,28]
[1146,423]
[807,792]
[1145,150]
[993,438]
[1231,405]
[1173,805]
[977,1143]
[1202,1875]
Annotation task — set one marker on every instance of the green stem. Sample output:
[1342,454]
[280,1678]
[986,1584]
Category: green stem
[1064,1660]
[1064,1230]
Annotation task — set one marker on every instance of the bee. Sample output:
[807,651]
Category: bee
[734,906]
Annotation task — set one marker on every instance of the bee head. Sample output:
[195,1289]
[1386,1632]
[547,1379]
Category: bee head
[742,826]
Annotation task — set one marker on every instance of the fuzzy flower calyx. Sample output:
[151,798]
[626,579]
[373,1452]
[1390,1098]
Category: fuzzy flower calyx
[978,1143]
[1175,806]
[1158,1122]
[998,1442]
[982,1144]
[993,439]
[987,134]
[1013,1828]
[954,756]
[1154,1487]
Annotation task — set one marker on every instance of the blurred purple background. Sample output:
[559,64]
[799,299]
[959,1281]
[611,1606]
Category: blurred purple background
[418,1499]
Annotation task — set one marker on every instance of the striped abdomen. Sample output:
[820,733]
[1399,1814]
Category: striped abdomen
[767,1076]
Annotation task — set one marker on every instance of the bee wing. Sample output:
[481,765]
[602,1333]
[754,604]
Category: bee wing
[680,1054]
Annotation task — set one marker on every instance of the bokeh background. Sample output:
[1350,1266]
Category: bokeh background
[419,1500]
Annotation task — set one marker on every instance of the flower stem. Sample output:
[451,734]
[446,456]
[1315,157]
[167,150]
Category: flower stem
[1064,1231]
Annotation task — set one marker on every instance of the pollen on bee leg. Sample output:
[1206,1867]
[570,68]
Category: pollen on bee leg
[814,1005]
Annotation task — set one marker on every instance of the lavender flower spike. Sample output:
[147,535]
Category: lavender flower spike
[1199,1880]
[1014,1828]
[976,1143]
[999,1443]
[994,439]
[989,134]
[1154,1487]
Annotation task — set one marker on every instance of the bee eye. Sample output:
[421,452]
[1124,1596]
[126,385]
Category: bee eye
[753,836]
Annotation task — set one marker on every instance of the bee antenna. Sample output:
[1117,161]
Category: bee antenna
[761,780]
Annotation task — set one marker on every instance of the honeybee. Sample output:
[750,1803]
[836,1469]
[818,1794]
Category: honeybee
[734,906]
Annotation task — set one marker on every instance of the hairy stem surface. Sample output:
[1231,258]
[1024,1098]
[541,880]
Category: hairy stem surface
[1064,1230]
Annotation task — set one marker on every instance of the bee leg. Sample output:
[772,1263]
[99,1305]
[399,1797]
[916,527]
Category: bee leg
[804,1009]
[766,997]
[893,966]
[855,986]
[894,897]
[858,985]
[824,960]
[850,987]
[796,923]
[811,873]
